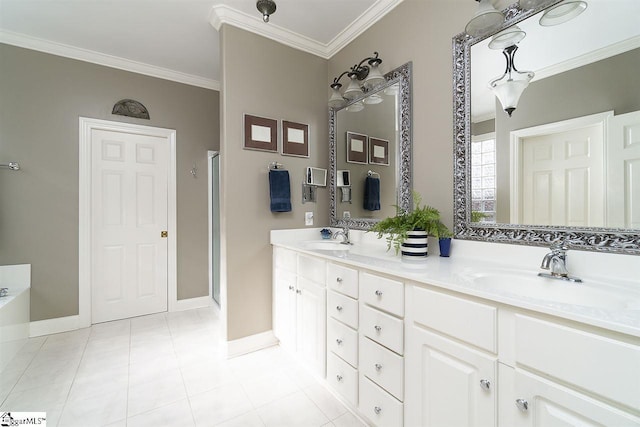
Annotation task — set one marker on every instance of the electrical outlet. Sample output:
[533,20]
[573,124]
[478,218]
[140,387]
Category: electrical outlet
[308,218]
[346,214]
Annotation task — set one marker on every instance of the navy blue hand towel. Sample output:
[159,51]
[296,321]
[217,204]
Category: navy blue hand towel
[279,190]
[372,194]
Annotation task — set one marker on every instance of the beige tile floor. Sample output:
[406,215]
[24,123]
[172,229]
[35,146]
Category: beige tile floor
[163,370]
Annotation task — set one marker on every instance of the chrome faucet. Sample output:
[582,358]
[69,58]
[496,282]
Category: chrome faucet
[556,262]
[345,235]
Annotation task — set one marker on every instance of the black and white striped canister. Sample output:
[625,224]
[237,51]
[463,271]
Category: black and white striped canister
[415,246]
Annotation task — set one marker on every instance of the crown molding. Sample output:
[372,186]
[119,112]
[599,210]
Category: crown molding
[222,14]
[589,58]
[68,51]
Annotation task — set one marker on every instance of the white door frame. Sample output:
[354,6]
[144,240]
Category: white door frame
[87,125]
[516,138]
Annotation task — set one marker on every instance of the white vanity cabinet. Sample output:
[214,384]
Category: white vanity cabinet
[342,331]
[299,300]
[451,360]
[471,362]
[381,358]
[557,373]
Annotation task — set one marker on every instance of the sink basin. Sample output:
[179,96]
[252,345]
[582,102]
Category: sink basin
[325,245]
[530,285]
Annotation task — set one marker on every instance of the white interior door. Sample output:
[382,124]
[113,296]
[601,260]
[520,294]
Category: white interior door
[129,205]
[563,178]
[623,171]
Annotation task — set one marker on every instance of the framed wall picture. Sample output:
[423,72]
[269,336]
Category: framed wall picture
[295,139]
[356,147]
[260,133]
[378,151]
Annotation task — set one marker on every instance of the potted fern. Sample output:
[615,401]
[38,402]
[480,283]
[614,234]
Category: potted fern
[407,232]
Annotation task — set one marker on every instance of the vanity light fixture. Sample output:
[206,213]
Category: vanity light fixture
[487,18]
[562,12]
[361,75]
[267,8]
[509,87]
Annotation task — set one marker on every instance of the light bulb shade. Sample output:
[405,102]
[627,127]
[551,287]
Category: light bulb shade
[355,107]
[353,90]
[373,99]
[374,78]
[486,19]
[509,89]
[336,100]
[509,37]
[562,12]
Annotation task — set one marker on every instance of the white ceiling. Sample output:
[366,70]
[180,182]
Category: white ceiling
[178,39]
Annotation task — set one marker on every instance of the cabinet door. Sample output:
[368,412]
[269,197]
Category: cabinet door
[447,383]
[311,325]
[549,404]
[284,314]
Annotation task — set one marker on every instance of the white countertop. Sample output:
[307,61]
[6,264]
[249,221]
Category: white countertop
[469,258]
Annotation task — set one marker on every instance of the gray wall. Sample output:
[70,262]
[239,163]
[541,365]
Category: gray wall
[420,31]
[41,98]
[264,78]
[610,84]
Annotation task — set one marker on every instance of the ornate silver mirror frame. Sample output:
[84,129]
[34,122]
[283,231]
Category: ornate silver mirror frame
[402,76]
[592,239]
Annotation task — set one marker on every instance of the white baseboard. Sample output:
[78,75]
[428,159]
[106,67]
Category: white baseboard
[251,343]
[54,326]
[191,303]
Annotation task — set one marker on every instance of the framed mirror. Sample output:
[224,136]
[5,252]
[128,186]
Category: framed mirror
[369,144]
[566,164]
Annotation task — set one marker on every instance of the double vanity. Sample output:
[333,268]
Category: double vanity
[476,339]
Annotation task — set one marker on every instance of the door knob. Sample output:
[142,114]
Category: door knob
[379,293]
[164,233]
[485,384]
[378,366]
[339,308]
[377,410]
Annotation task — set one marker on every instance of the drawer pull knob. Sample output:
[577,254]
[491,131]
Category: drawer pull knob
[378,366]
[485,384]
[298,291]
[379,293]
[290,287]
[377,410]
[339,308]
[339,341]
[522,404]
[339,279]
[339,378]
[377,328]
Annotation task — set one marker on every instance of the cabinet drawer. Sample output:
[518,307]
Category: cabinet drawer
[311,268]
[343,280]
[454,316]
[342,378]
[601,365]
[285,259]
[343,341]
[383,293]
[382,328]
[378,405]
[343,308]
[382,366]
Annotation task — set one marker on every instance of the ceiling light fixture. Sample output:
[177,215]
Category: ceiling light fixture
[369,75]
[266,7]
[487,18]
[510,36]
[510,86]
[562,12]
